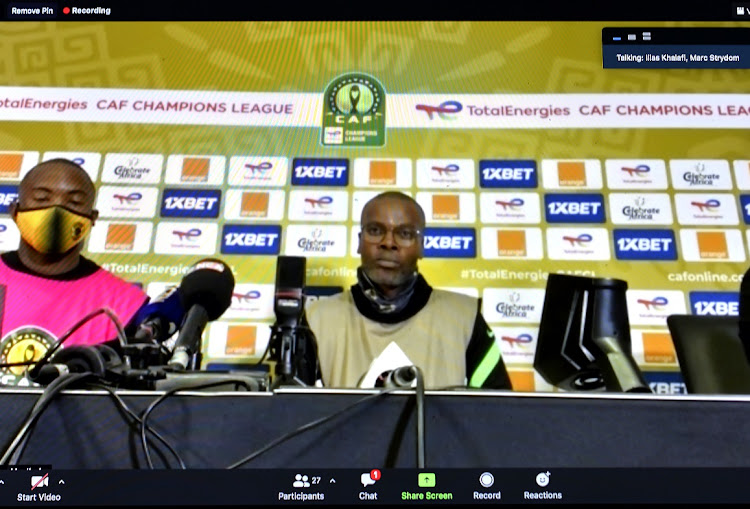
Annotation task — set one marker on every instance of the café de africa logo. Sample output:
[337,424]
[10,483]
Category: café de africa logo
[354,112]
[26,344]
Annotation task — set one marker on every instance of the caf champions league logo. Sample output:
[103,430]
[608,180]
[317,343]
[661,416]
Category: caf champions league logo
[354,112]
[23,345]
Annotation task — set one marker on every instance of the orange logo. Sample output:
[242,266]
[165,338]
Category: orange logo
[254,205]
[120,237]
[658,348]
[195,169]
[10,165]
[522,381]
[445,206]
[240,340]
[571,174]
[511,243]
[382,173]
[712,245]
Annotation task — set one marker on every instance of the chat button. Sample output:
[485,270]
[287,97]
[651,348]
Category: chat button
[370,478]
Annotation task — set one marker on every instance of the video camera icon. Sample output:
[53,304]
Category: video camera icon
[39,481]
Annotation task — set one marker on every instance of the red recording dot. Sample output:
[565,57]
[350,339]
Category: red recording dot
[66,10]
[375,474]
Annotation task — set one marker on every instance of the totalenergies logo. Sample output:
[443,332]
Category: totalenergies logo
[580,241]
[246,297]
[445,111]
[642,170]
[521,339]
[129,199]
[259,169]
[188,235]
[707,206]
[513,204]
[447,170]
[321,202]
[656,304]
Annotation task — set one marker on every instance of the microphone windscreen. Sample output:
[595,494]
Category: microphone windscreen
[168,306]
[210,284]
[290,273]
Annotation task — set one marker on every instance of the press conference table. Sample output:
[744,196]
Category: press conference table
[84,429]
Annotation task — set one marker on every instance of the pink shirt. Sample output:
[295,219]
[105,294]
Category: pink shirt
[56,306]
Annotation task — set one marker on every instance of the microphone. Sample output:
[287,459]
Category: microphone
[48,373]
[160,318]
[288,306]
[206,293]
[403,377]
[98,360]
[744,314]
[290,282]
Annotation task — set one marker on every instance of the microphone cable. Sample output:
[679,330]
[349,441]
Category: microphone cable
[15,448]
[167,394]
[306,427]
[18,444]
[136,419]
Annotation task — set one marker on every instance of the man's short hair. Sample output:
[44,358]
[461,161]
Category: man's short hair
[396,195]
[59,160]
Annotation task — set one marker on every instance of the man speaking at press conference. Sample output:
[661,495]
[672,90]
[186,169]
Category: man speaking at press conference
[392,317]
[46,286]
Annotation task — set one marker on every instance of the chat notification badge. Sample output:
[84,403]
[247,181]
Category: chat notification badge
[370,478]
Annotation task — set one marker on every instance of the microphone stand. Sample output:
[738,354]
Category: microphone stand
[284,352]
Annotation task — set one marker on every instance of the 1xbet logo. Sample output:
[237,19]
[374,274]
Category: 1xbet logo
[506,173]
[450,243]
[190,203]
[320,172]
[251,239]
[645,245]
[7,195]
[574,208]
[715,303]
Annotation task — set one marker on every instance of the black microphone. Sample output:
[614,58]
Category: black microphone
[288,306]
[206,292]
[288,295]
[744,314]
[48,373]
[160,318]
[94,359]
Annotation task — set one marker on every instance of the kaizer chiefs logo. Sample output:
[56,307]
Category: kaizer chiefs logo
[77,230]
[354,112]
[22,345]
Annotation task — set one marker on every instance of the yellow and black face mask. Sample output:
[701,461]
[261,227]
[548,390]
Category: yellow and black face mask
[52,229]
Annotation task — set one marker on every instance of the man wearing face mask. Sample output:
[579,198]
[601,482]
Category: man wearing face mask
[46,286]
[392,308]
